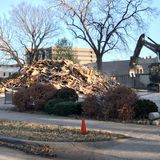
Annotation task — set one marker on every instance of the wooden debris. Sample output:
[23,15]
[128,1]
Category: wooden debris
[62,73]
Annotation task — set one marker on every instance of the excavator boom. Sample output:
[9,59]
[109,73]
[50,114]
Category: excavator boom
[140,43]
[154,68]
[134,58]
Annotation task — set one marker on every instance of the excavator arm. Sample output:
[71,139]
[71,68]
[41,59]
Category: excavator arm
[134,58]
[152,46]
[140,43]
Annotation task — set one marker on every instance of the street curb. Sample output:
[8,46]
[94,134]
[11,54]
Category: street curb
[34,148]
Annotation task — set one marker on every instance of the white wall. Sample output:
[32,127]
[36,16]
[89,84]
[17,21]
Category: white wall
[5,71]
[140,81]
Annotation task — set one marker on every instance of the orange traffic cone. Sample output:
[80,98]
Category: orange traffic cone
[83,127]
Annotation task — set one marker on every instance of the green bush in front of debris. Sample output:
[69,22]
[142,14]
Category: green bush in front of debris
[143,107]
[64,108]
[64,103]
[49,107]
[67,94]
[79,106]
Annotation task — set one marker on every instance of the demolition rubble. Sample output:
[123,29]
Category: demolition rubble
[62,73]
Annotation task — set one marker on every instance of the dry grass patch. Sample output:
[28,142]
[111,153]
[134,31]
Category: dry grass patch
[50,133]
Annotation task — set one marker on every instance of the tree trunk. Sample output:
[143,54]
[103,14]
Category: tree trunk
[99,63]
[20,64]
[29,58]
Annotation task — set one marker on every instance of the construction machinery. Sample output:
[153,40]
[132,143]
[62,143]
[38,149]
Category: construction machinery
[154,68]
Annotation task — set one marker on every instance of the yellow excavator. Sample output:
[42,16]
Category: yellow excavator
[154,68]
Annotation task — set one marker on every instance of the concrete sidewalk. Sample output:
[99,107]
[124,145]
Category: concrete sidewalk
[144,146]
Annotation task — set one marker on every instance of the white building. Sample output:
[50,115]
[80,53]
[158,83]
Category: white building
[7,70]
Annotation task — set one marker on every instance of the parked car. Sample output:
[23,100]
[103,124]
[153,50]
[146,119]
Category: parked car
[153,87]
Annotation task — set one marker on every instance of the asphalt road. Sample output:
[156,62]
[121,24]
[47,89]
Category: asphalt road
[144,146]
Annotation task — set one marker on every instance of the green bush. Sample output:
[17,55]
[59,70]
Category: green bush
[68,94]
[143,107]
[50,104]
[79,106]
[74,108]
[63,108]
[34,97]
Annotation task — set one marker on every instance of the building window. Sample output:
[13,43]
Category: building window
[4,74]
[10,73]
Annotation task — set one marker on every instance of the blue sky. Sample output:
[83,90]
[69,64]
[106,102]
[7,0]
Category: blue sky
[152,32]
[6,5]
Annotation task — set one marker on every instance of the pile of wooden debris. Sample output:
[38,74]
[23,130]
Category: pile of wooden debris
[62,73]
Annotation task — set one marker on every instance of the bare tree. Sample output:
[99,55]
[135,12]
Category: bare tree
[103,24]
[6,46]
[34,27]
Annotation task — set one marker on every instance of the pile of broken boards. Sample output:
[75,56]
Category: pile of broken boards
[62,73]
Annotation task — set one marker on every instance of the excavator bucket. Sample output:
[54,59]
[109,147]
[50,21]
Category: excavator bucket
[137,69]
[132,72]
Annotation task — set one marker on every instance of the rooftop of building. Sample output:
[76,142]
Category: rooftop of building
[122,67]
